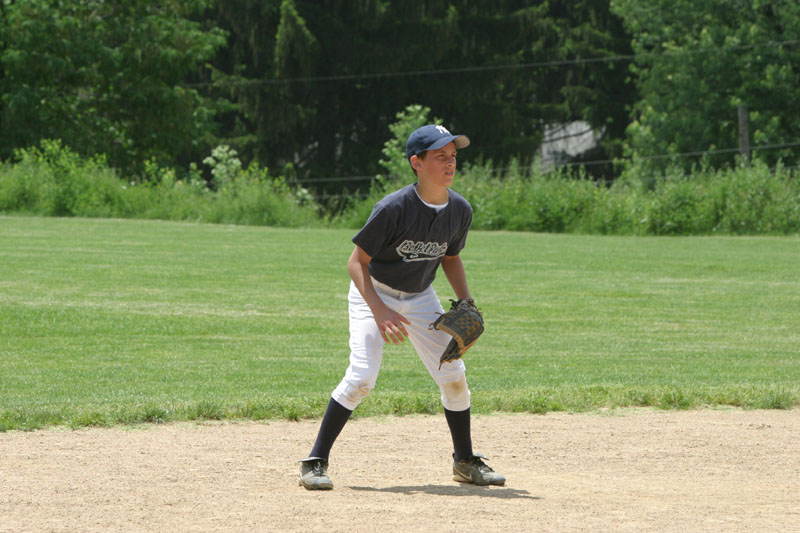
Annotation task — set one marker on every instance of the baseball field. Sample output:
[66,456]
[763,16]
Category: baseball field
[162,375]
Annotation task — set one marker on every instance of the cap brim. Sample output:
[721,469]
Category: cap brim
[461,141]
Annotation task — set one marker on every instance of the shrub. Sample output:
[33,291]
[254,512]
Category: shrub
[757,200]
[52,180]
[250,196]
[679,206]
[616,210]
[525,199]
[49,179]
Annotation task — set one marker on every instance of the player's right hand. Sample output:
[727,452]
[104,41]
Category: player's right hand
[390,324]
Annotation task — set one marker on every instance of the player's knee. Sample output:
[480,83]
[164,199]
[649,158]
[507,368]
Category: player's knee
[456,395]
[353,393]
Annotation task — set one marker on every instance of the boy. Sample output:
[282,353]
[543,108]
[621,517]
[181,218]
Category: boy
[408,235]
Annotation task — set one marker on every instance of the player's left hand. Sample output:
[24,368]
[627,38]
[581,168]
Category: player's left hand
[464,322]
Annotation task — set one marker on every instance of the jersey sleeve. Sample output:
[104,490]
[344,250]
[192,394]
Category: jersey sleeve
[373,236]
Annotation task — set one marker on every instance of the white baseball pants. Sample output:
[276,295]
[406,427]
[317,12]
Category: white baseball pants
[366,346]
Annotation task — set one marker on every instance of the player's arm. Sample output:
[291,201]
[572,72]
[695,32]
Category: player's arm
[454,270]
[390,323]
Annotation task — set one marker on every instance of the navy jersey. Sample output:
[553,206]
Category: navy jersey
[408,239]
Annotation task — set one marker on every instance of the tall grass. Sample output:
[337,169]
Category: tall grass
[755,200]
[51,180]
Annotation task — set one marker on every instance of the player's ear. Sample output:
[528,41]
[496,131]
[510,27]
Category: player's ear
[416,162]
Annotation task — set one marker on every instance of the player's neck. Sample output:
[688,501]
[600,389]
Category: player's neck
[432,194]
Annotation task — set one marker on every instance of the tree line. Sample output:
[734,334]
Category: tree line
[308,89]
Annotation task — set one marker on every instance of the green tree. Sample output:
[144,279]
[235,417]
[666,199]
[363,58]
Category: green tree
[317,83]
[697,61]
[106,77]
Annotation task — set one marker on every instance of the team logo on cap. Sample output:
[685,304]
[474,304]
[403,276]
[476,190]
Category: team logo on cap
[442,130]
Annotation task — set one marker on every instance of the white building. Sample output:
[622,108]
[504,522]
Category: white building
[563,142]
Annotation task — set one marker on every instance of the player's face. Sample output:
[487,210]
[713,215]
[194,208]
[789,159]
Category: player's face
[439,166]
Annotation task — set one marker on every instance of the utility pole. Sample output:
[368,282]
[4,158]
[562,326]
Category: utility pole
[744,133]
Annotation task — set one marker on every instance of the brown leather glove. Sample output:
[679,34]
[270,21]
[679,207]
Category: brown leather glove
[464,322]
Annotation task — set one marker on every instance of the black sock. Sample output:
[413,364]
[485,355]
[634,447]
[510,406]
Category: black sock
[332,423]
[460,431]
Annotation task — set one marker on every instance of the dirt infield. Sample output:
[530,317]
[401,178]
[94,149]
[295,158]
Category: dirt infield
[726,470]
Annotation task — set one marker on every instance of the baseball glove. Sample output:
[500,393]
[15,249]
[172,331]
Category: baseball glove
[464,322]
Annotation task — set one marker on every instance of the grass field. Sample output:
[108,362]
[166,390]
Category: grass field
[117,322]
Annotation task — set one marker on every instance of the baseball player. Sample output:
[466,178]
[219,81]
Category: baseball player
[396,256]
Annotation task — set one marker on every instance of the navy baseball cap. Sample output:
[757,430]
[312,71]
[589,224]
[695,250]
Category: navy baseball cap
[432,137]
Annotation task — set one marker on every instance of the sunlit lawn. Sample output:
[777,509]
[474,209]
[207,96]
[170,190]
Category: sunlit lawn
[110,321]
